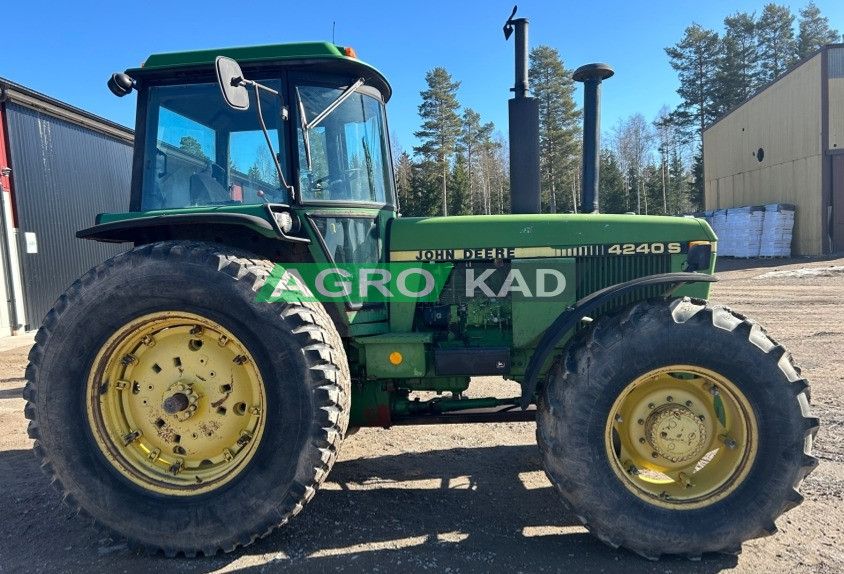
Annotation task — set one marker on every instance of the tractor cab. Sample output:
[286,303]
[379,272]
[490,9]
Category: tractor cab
[308,140]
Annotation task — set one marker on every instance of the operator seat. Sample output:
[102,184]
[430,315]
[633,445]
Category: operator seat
[205,189]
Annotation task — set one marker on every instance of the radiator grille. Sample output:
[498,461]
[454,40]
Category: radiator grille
[595,273]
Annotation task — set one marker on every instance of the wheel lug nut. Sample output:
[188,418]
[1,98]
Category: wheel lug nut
[728,442]
[701,417]
[669,398]
[641,440]
[688,403]
[650,405]
[619,419]
[654,454]
[641,421]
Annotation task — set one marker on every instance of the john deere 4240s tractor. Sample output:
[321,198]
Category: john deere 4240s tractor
[191,393]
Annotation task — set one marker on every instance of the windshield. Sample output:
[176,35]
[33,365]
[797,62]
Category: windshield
[349,153]
[201,152]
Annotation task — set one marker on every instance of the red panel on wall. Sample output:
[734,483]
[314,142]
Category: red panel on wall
[5,162]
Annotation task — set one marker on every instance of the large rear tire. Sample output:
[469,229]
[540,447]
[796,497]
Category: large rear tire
[676,428]
[177,411]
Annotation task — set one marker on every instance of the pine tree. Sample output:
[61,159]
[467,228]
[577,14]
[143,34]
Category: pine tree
[611,195]
[738,69]
[814,31]
[677,187]
[458,198]
[440,125]
[192,146]
[777,46]
[424,199]
[695,58]
[665,141]
[695,185]
[495,176]
[404,179]
[558,122]
[470,144]
[652,190]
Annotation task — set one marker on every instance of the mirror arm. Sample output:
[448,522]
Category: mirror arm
[306,139]
[267,137]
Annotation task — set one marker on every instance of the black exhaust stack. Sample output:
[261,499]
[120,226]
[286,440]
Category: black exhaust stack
[524,127]
[591,75]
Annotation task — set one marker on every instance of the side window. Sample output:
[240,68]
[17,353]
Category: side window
[200,152]
[343,151]
[253,173]
[185,171]
[350,239]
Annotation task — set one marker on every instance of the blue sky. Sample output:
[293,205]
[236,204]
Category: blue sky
[68,50]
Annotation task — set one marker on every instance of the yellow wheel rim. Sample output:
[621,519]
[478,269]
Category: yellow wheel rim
[176,403]
[681,437]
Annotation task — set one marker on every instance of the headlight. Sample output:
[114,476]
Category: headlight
[284,221]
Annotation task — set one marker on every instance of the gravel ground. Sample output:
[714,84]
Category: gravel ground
[467,498]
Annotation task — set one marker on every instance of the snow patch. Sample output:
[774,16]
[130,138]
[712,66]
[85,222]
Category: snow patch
[831,271]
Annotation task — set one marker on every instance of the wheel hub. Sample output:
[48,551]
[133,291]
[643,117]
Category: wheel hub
[181,400]
[676,433]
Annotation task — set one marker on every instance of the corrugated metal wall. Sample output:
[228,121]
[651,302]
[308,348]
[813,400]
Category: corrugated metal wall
[64,174]
[836,98]
[783,120]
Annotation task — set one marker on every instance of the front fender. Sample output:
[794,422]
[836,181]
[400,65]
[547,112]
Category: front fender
[569,318]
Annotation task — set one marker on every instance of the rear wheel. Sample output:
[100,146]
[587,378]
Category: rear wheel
[676,428]
[176,410]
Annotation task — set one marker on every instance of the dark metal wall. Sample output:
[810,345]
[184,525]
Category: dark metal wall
[63,174]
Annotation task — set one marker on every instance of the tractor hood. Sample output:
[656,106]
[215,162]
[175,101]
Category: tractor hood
[538,235]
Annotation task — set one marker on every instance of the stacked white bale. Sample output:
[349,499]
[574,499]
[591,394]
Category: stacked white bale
[746,230]
[777,230]
[719,226]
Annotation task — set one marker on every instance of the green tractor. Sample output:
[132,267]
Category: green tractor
[190,396]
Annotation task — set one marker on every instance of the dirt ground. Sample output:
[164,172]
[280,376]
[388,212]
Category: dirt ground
[468,498]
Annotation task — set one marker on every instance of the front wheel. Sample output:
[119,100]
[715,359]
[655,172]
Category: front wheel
[676,428]
[175,409]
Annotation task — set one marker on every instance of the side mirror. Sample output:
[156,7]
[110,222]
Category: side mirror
[232,83]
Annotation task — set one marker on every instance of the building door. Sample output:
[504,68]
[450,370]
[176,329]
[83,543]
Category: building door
[838,203]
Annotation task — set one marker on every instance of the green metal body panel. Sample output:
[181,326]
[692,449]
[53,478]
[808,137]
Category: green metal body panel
[533,315]
[411,347]
[320,56]
[271,53]
[541,230]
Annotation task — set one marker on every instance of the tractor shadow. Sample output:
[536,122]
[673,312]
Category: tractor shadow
[452,510]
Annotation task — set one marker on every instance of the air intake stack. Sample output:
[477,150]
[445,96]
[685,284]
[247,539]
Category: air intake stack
[591,75]
[524,127]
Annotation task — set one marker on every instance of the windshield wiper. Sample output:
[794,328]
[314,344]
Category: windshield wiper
[307,126]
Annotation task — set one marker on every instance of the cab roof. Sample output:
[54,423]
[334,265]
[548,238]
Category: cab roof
[306,55]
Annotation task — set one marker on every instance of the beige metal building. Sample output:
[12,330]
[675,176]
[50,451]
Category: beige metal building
[786,145]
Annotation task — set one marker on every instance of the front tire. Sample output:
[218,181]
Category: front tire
[676,428]
[176,410]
